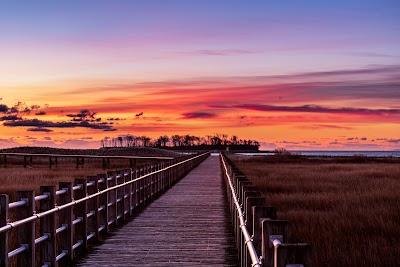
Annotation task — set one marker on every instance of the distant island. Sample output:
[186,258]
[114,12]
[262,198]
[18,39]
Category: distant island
[183,142]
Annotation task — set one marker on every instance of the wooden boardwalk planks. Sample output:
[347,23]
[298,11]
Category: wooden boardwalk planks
[189,225]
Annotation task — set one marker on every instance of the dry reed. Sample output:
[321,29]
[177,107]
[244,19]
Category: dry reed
[349,212]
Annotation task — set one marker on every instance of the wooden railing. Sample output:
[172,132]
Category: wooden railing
[78,213]
[80,159]
[261,239]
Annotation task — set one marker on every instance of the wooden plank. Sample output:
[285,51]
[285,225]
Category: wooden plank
[189,225]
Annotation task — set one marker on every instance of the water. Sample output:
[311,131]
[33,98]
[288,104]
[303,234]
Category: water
[333,153]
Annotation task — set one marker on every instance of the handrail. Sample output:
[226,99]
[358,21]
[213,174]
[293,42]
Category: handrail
[247,238]
[37,216]
[87,208]
[83,156]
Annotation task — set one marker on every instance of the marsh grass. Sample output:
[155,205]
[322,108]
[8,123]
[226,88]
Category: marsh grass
[16,178]
[349,212]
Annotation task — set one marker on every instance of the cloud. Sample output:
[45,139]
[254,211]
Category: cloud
[221,52]
[391,140]
[10,118]
[198,115]
[335,143]
[3,108]
[39,129]
[116,119]
[363,138]
[85,115]
[40,113]
[327,126]
[49,124]
[8,143]
[312,108]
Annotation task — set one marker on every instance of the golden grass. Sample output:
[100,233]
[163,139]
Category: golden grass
[15,178]
[349,212]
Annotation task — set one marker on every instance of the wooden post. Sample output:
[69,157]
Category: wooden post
[128,191]
[112,198]
[140,187]
[106,163]
[3,236]
[3,161]
[293,254]
[48,227]
[93,206]
[121,196]
[259,212]
[251,201]
[65,219]
[53,161]
[26,232]
[81,213]
[103,202]
[272,229]
[135,189]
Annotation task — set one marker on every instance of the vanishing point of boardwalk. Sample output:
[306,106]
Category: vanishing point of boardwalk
[189,225]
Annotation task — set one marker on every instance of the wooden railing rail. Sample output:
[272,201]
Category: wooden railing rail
[80,159]
[261,239]
[75,215]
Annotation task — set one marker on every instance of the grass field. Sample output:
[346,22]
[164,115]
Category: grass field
[15,177]
[349,212]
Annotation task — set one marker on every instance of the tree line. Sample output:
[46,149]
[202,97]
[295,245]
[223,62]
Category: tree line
[176,140]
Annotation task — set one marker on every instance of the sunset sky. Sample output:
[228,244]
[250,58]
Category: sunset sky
[315,75]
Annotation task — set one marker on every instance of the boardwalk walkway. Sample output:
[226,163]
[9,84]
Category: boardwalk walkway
[189,225]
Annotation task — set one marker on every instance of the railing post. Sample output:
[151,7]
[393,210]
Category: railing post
[120,195]
[272,229]
[93,207]
[135,191]
[141,187]
[103,203]
[3,236]
[128,191]
[48,227]
[66,238]
[81,213]
[249,203]
[112,198]
[259,212]
[26,232]
[293,254]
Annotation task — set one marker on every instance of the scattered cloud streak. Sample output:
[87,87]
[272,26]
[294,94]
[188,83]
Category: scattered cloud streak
[198,115]
[50,124]
[313,108]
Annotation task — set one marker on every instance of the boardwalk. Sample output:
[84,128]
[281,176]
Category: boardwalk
[189,225]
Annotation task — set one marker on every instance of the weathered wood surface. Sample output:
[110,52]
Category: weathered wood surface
[189,225]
